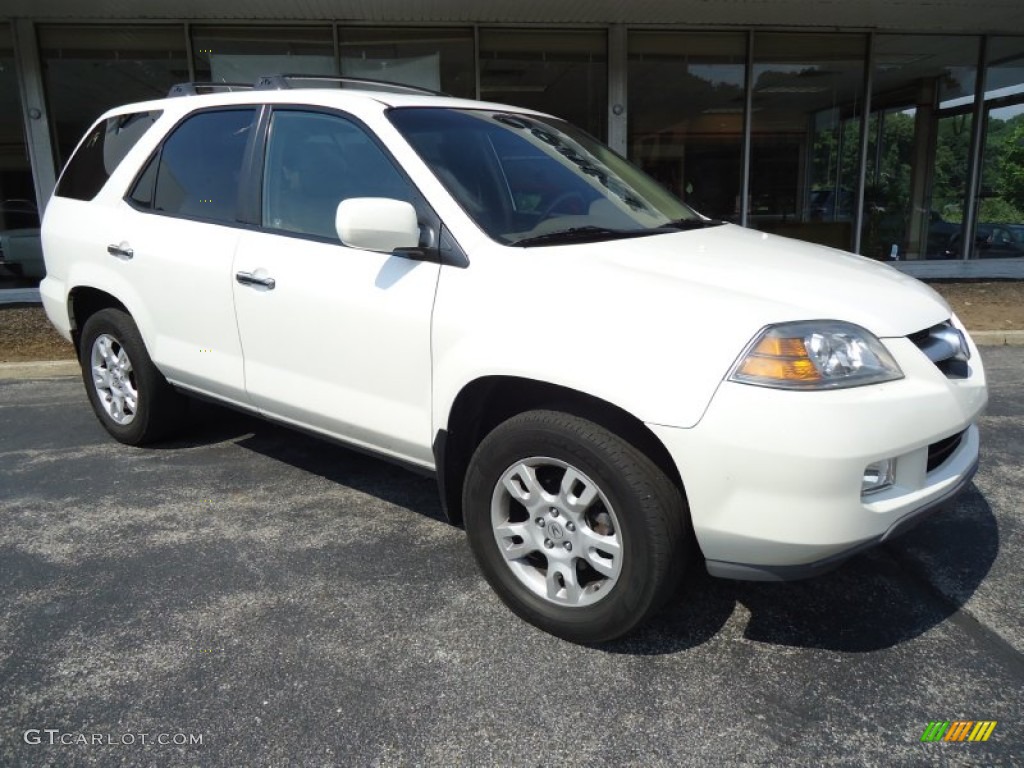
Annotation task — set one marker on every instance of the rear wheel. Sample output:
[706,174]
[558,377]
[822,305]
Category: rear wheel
[131,398]
[578,532]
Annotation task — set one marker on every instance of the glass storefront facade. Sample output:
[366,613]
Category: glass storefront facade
[686,115]
[438,58]
[807,101]
[919,141]
[564,72]
[999,227]
[889,145]
[242,54]
[88,70]
[19,214]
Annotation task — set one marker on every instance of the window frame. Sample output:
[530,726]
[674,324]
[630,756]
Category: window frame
[443,248]
[244,176]
[425,213]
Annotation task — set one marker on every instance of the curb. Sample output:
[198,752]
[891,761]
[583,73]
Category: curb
[997,338]
[43,369]
[20,297]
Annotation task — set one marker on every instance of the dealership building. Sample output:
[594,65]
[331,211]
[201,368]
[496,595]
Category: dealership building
[892,128]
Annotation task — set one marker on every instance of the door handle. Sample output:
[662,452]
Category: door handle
[122,250]
[248,278]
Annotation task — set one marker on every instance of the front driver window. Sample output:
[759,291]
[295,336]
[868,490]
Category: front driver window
[313,162]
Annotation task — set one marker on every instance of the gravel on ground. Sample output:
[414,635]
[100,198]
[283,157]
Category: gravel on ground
[26,335]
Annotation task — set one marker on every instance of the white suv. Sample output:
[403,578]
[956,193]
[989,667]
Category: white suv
[606,384]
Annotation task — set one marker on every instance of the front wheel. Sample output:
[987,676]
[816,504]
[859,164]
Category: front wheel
[131,398]
[577,531]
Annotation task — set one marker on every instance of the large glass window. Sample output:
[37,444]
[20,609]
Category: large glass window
[561,72]
[999,231]
[243,54]
[88,70]
[433,57]
[807,104]
[919,137]
[21,260]
[686,103]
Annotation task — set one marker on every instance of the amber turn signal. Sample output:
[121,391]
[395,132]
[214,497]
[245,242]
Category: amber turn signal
[780,369]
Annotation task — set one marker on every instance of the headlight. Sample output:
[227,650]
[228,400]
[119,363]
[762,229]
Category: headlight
[815,354]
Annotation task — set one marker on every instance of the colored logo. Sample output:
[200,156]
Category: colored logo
[958,730]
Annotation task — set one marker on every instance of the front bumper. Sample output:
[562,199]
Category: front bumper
[773,478]
[749,572]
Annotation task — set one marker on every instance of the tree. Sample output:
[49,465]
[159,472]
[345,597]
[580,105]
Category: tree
[1012,166]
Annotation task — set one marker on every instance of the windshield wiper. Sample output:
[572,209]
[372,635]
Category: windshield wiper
[583,235]
[685,224]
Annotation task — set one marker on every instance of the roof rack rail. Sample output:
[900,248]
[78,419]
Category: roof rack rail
[193,89]
[284,82]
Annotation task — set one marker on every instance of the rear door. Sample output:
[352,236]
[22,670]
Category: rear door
[181,229]
[335,338]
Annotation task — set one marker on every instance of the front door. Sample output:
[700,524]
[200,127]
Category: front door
[333,338]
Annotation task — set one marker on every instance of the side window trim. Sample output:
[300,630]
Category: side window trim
[152,160]
[250,202]
[249,206]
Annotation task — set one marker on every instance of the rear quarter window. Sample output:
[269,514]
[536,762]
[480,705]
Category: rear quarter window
[99,154]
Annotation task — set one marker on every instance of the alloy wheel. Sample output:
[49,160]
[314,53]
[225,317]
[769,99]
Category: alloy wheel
[114,379]
[557,531]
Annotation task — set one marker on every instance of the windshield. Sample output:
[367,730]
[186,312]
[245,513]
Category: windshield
[529,180]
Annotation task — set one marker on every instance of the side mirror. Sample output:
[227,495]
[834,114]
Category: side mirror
[377,224]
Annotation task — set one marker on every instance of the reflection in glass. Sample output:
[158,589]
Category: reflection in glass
[686,101]
[244,54]
[561,72]
[21,261]
[807,102]
[999,231]
[88,70]
[529,181]
[433,57]
[313,162]
[919,137]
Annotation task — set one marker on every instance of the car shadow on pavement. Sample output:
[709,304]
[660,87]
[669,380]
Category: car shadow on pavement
[876,600]
[395,484]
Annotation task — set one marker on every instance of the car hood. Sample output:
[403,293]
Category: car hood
[777,279]
[654,324]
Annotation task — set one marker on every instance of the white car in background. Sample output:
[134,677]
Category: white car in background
[607,384]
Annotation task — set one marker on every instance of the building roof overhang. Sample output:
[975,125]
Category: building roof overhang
[971,16]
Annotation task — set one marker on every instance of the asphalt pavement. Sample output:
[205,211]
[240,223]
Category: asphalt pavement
[250,596]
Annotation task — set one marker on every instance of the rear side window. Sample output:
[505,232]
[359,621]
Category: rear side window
[101,152]
[196,172]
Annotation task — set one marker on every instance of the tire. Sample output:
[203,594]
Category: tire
[578,532]
[130,397]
